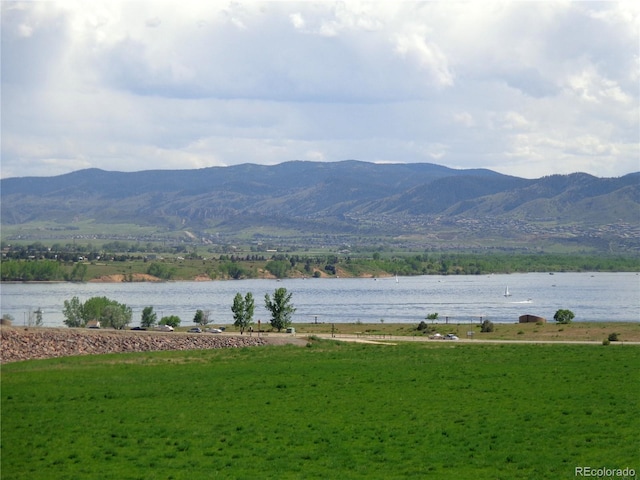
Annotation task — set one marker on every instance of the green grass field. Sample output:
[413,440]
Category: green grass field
[331,410]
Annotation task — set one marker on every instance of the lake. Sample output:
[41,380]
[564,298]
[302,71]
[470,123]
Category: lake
[600,297]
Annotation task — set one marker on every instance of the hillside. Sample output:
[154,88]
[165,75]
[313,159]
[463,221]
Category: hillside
[350,198]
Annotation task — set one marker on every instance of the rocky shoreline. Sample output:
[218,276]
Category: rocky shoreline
[18,344]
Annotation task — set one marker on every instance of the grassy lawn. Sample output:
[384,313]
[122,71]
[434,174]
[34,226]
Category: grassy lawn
[552,331]
[331,410]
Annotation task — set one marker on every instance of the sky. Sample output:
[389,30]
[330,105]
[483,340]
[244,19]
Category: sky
[522,88]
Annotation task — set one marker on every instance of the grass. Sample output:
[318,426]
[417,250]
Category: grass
[552,331]
[332,410]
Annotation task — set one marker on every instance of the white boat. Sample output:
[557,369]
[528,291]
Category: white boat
[506,292]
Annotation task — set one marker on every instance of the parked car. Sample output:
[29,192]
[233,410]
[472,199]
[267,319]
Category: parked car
[436,336]
[451,336]
[213,330]
[195,330]
[164,328]
[138,328]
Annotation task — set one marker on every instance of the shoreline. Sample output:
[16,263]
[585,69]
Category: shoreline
[146,278]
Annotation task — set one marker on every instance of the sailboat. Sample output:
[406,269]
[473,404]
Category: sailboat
[506,292]
[396,278]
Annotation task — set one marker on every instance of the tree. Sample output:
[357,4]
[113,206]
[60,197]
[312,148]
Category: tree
[78,273]
[280,308]
[73,313]
[201,317]
[563,316]
[278,268]
[149,317]
[161,270]
[172,321]
[243,311]
[432,316]
[92,308]
[487,326]
[116,315]
[108,312]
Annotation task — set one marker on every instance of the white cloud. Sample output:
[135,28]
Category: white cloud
[526,88]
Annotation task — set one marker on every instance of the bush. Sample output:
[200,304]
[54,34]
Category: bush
[606,341]
[613,337]
[487,326]
[563,316]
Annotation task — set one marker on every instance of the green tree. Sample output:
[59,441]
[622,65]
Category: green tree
[116,315]
[172,321]
[73,313]
[161,270]
[108,312]
[280,308]
[278,268]
[92,308]
[487,326]
[78,273]
[233,270]
[563,316]
[201,317]
[243,309]
[149,317]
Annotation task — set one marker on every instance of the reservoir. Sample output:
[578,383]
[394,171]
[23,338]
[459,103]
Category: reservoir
[592,297]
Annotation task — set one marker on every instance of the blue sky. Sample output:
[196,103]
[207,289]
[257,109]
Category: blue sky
[523,88]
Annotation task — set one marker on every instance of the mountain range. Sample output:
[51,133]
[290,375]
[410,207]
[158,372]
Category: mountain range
[347,198]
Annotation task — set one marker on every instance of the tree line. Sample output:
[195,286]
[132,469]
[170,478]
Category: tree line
[286,265]
[104,312]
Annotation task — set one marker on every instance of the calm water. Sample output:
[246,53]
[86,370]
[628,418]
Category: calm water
[591,296]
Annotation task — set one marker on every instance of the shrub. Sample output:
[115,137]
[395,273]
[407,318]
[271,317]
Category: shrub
[613,337]
[487,326]
[563,316]
[606,341]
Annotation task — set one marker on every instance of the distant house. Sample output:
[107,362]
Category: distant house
[93,324]
[531,319]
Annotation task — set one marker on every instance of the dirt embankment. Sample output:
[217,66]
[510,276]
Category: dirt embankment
[17,344]
[134,277]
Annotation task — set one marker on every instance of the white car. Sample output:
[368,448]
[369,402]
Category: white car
[195,330]
[164,328]
[213,330]
[451,336]
[436,336]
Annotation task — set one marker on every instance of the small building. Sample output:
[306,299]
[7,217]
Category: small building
[531,319]
[93,324]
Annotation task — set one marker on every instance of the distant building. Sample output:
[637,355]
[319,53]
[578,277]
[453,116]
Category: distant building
[532,319]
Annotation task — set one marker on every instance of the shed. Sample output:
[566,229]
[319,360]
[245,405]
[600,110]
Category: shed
[532,319]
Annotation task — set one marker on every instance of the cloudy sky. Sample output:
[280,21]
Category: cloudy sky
[523,88]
